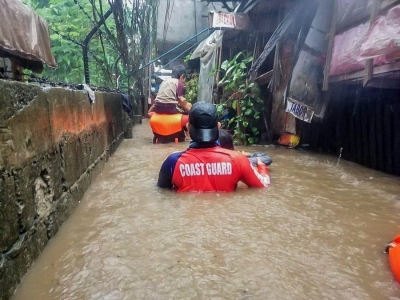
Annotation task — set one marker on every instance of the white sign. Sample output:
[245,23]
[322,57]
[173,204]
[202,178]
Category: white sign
[223,20]
[299,110]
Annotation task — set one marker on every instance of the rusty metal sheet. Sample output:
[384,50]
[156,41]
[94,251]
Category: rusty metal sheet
[23,33]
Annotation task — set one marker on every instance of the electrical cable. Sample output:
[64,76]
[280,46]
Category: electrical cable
[169,51]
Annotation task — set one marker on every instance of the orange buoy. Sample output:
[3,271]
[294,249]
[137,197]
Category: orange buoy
[394,257]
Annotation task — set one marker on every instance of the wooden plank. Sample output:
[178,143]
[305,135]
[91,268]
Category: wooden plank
[325,85]
[276,77]
[264,78]
[379,131]
[372,132]
[352,134]
[219,57]
[387,137]
[358,132]
[358,75]
[364,129]
[345,129]
[396,136]
[146,90]
[369,64]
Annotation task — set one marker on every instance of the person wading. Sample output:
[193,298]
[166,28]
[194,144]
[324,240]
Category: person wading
[205,166]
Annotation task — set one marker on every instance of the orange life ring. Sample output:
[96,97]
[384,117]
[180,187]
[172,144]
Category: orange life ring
[394,257]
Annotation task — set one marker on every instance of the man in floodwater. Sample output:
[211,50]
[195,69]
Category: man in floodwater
[205,166]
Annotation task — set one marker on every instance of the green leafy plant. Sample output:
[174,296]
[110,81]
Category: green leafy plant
[187,57]
[244,97]
[191,88]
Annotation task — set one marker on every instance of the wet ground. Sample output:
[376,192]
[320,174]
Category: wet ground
[317,233]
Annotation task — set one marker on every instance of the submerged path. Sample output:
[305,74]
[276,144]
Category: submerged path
[317,233]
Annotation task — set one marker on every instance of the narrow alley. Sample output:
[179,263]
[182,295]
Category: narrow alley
[318,232]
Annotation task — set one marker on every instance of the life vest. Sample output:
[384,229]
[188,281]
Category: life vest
[167,128]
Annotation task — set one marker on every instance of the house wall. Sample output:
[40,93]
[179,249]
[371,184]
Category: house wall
[53,143]
[186,19]
[363,124]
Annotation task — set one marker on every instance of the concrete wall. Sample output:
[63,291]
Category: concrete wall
[53,143]
[186,19]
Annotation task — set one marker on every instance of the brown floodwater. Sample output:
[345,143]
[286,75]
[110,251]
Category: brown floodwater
[317,233]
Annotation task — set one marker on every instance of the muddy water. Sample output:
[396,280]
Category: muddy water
[317,233]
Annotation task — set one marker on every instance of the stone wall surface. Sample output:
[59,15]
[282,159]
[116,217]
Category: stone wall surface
[53,142]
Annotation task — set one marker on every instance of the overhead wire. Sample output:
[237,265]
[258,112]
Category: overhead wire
[169,51]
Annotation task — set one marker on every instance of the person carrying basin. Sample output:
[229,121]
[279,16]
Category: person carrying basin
[205,166]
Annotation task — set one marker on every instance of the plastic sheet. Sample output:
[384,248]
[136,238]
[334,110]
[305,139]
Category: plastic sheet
[384,36]
[346,50]
[380,42]
[24,33]
[350,10]
[207,51]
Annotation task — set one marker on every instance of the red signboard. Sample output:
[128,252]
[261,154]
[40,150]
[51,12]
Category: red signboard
[223,20]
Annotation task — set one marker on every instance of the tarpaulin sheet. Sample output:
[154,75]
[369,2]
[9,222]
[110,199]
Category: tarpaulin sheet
[384,36]
[349,10]
[347,49]
[24,33]
[379,41]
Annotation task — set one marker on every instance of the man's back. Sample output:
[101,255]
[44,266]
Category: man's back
[211,169]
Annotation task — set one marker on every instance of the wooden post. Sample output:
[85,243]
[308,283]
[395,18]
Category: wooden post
[219,90]
[218,61]
[364,129]
[332,33]
[396,138]
[146,92]
[276,75]
[373,156]
[359,133]
[369,64]
[380,147]
[388,135]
